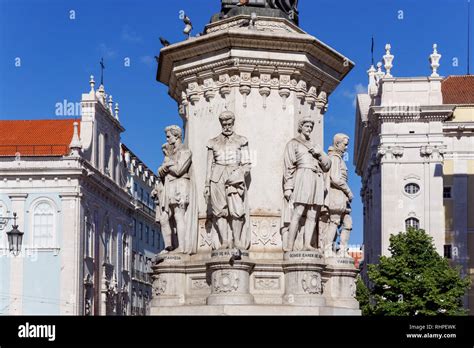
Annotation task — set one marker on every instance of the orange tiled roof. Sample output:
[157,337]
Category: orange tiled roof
[458,89]
[36,137]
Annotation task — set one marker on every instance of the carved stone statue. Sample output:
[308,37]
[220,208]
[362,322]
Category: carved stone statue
[303,185]
[175,195]
[236,7]
[338,198]
[228,168]
[287,6]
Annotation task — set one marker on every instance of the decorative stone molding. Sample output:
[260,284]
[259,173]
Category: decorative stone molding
[225,282]
[267,283]
[245,91]
[265,232]
[311,283]
[396,152]
[160,285]
[204,85]
[312,96]
[199,284]
[322,102]
[433,152]
[242,22]
[264,92]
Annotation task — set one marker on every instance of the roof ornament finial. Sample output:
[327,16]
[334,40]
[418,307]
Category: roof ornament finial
[188,26]
[379,74]
[92,83]
[111,105]
[372,81]
[76,146]
[434,60]
[116,111]
[101,94]
[388,59]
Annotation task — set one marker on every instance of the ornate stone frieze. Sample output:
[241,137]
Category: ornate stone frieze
[267,283]
[225,281]
[199,284]
[160,285]
[390,152]
[311,283]
[265,232]
[433,152]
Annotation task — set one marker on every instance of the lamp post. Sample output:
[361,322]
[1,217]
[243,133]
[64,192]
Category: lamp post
[15,237]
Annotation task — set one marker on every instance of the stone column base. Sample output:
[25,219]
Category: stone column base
[340,285]
[169,280]
[303,278]
[230,273]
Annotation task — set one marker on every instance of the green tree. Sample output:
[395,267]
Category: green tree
[414,280]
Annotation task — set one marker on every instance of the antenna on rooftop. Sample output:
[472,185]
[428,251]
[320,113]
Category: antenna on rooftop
[468,36]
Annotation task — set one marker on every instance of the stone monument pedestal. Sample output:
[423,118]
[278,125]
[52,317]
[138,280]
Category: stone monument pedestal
[340,285]
[230,278]
[296,283]
[169,280]
[303,280]
[271,75]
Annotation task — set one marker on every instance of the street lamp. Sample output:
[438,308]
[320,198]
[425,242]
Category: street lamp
[15,237]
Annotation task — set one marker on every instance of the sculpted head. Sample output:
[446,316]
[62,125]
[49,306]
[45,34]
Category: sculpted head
[341,142]
[227,120]
[173,134]
[305,126]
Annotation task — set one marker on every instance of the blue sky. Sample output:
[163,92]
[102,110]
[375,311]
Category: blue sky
[57,54]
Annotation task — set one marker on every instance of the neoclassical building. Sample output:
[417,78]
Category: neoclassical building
[414,151]
[83,203]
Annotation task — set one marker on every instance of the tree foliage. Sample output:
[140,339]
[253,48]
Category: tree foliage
[414,280]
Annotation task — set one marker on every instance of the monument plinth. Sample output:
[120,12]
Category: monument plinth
[244,89]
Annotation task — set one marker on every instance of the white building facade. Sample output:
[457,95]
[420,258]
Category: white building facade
[414,150]
[79,213]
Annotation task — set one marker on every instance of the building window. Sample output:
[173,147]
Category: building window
[107,238]
[134,263]
[412,188]
[448,248]
[147,234]
[3,225]
[141,230]
[89,237]
[135,190]
[43,226]
[134,302]
[447,192]
[141,194]
[153,237]
[125,252]
[147,202]
[134,227]
[412,223]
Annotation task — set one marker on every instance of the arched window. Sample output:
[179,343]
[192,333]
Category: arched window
[43,226]
[412,223]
